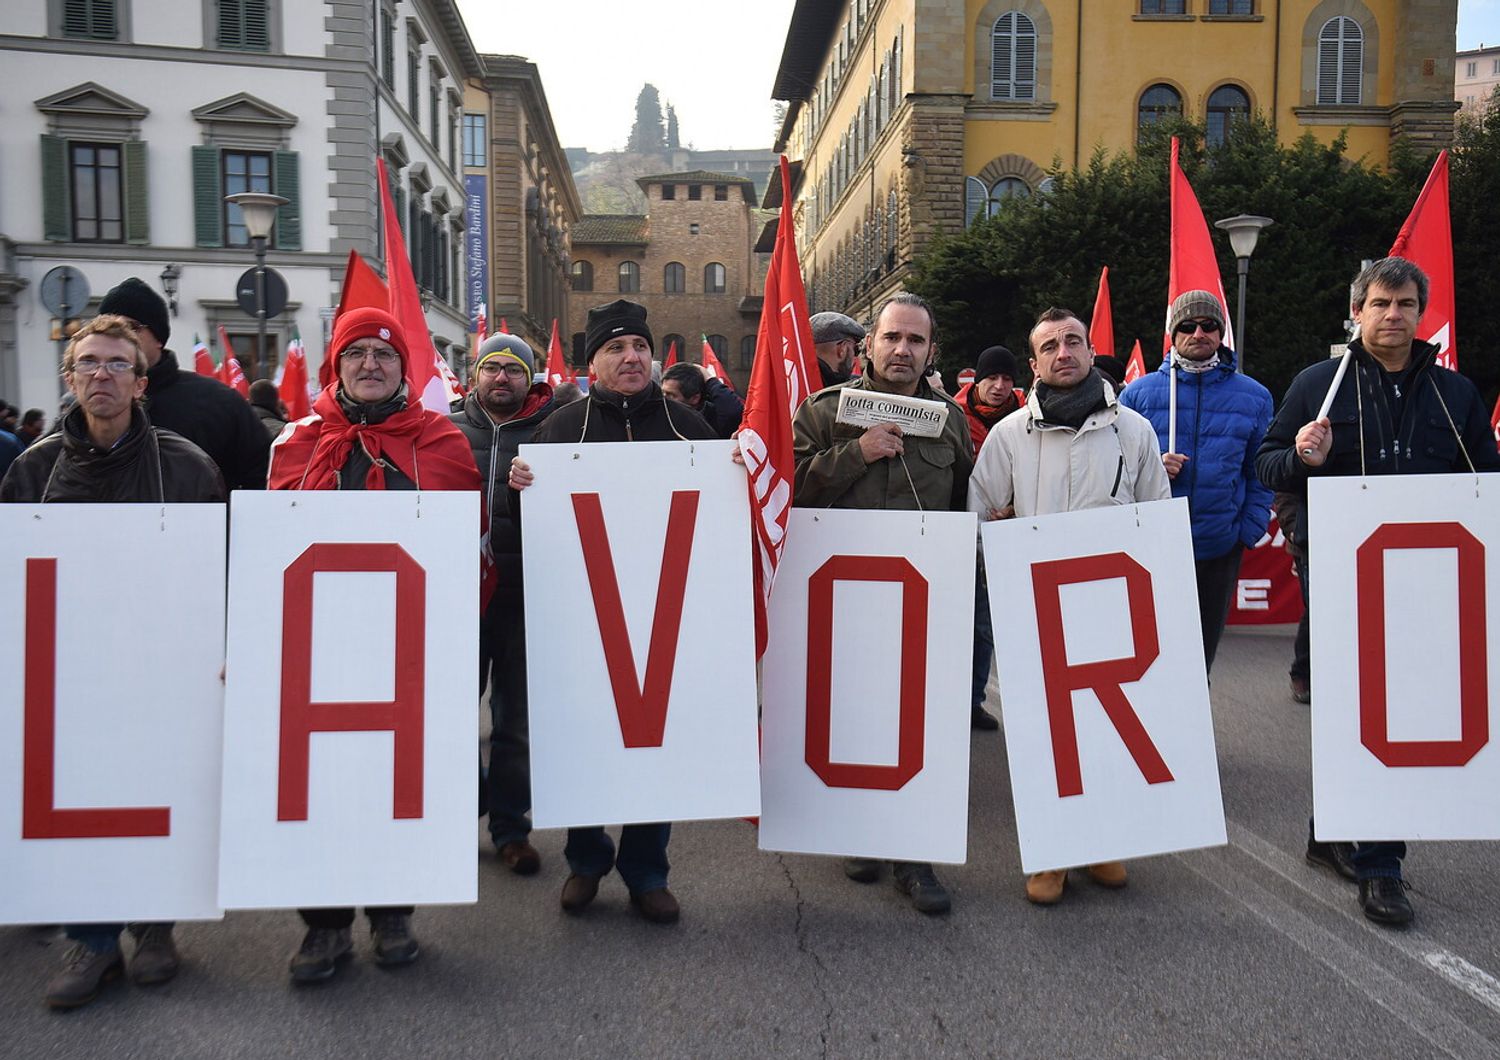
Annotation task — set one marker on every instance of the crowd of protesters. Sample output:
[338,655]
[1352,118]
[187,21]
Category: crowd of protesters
[139,429]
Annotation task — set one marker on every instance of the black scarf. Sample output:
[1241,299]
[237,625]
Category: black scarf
[1070,407]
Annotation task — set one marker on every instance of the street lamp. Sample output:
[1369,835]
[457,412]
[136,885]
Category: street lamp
[169,277]
[1244,231]
[259,211]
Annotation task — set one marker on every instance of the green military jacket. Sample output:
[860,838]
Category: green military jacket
[832,473]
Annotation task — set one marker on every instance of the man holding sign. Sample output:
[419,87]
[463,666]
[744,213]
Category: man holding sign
[842,463]
[1075,448]
[1397,413]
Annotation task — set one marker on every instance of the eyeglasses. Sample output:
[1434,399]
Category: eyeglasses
[357,354]
[1210,327]
[90,366]
[493,367]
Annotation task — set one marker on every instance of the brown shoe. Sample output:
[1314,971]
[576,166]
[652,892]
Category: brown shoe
[84,972]
[1046,888]
[520,857]
[578,892]
[1108,873]
[155,958]
[656,905]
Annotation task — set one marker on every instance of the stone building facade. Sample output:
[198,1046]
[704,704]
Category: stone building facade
[1476,75]
[690,260]
[910,118]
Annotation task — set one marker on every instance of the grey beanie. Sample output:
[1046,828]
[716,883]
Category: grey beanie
[1193,305]
[508,346]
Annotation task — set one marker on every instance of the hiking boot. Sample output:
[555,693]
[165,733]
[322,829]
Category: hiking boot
[657,905]
[520,857]
[862,870]
[917,881]
[84,972]
[1384,900]
[1335,857]
[155,957]
[320,953]
[1108,874]
[1301,690]
[394,942]
[1046,888]
[578,891]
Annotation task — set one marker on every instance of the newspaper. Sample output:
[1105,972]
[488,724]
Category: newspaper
[917,416]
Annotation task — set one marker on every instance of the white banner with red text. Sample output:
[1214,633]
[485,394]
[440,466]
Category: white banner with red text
[349,765]
[1107,720]
[640,644]
[865,730]
[1404,688]
[111,641]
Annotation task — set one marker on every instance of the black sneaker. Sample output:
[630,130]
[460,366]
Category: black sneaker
[916,880]
[862,870]
[319,956]
[1384,900]
[394,942]
[84,972]
[1335,857]
[983,721]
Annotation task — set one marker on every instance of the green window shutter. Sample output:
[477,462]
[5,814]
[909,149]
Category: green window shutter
[399,194]
[257,35]
[137,213]
[90,18]
[288,217]
[208,197]
[55,215]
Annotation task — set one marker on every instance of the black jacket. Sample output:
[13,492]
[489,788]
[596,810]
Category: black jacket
[1421,442]
[269,419]
[605,416]
[722,408]
[148,464]
[212,417]
[494,446]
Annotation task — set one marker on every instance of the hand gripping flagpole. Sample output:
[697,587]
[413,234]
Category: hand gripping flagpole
[1333,388]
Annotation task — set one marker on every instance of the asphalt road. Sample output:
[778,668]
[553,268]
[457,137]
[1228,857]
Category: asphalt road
[1244,950]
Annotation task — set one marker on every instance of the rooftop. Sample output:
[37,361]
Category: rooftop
[628,229]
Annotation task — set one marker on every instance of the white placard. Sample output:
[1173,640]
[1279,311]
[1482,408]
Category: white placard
[1405,618]
[916,416]
[640,648]
[865,730]
[349,732]
[1107,720]
[112,638]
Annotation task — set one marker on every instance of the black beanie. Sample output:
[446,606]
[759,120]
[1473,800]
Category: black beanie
[996,360]
[620,317]
[134,299]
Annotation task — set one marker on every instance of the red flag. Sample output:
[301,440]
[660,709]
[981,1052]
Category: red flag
[558,369]
[671,354]
[292,384]
[1495,422]
[713,367]
[1426,240]
[230,372]
[1194,266]
[1102,325]
[423,375]
[1136,366]
[784,372]
[203,361]
[503,329]
[362,287]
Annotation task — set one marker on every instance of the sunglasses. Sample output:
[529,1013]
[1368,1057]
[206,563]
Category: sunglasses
[1210,327]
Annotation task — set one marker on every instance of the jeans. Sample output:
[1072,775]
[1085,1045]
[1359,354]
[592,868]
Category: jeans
[642,860]
[100,938]
[502,664]
[1216,580]
[1374,859]
[1302,646]
[342,918]
[984,639]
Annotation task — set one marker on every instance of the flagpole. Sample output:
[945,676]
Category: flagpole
[1171,404]
[1333,388]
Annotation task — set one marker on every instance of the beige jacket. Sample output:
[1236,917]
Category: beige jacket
[1041,469]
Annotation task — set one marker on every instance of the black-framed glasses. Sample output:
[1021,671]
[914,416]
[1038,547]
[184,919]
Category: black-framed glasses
[1209,327]
[492,367]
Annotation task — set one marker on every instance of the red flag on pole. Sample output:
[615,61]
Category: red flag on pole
[503,329]
[362,287]
[713,366]
[1102,324]
[203,361]
[784,372]
[1194,266]
[671,354]
[1426,240]
[1136,366]
[230,372]
[423,375]
[1495,422]
[291,384]
[558,369]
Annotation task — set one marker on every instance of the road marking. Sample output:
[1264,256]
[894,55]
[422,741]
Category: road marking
[1473,980]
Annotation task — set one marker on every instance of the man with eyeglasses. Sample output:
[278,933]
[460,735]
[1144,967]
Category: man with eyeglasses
[499,415]
[836,340]
[1075,447]
[367,432]
[1222,416]
[202,410]
[106,451]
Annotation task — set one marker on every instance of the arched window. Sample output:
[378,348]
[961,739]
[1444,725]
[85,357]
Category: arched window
[747,350]
[1227,104]
[1013,57]
[1158,103]
[583,276]
[630,277]
[674,278]
[1341,53]
[1007,188]
[713,278]
[720,345]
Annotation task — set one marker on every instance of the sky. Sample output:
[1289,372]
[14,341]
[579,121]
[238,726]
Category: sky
[714,62]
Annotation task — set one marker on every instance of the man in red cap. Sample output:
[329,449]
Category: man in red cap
[367,432]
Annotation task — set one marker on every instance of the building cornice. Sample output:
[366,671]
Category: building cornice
[166,53]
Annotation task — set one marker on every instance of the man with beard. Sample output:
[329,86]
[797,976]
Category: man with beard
[836,340]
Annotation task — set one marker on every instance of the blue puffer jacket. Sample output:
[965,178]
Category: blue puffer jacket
[1221,418]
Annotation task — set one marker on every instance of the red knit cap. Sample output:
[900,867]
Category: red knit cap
[367,322]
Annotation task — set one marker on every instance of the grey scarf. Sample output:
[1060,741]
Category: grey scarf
[1070,407]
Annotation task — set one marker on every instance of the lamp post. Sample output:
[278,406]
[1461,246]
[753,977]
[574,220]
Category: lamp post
[1244,231]
[259,211]
[169,277]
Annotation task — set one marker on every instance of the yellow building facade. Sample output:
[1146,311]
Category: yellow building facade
[908,118]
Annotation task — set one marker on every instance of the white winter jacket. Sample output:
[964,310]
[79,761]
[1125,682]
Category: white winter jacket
[1040,469]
